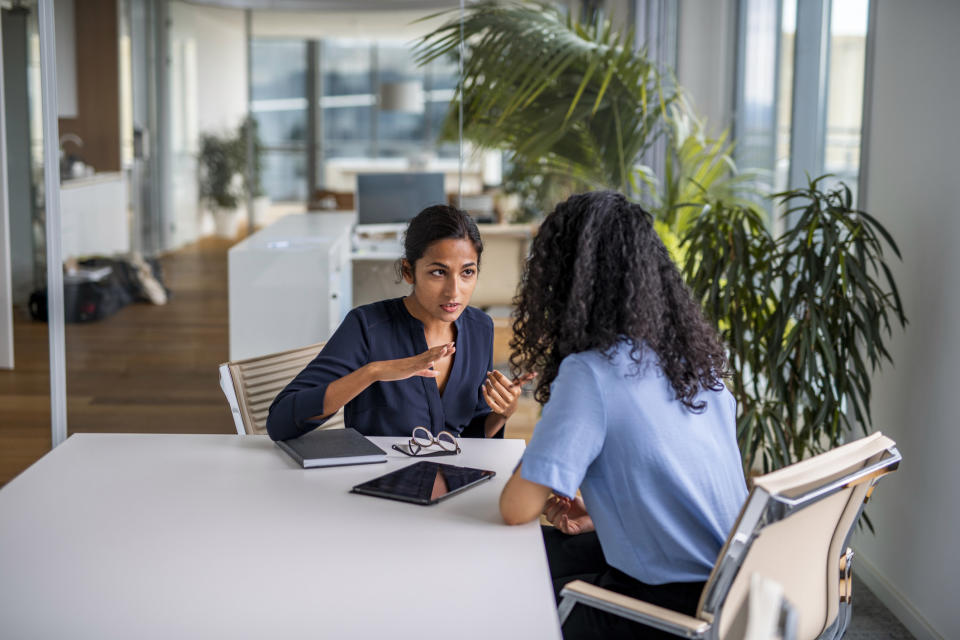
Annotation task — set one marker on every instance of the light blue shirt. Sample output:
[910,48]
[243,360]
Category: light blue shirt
[663,484]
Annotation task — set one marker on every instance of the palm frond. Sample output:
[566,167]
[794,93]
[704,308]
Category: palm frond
[548,87]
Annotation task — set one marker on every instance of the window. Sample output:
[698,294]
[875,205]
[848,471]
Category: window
[848,48]
[799,95]
[352,123]
[279,91]
[347,98]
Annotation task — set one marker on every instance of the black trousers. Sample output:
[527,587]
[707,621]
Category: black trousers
[580,557]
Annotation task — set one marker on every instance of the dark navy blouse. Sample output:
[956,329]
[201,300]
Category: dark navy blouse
[386,331]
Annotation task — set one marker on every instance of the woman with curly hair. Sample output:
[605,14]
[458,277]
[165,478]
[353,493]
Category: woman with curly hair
[635,415]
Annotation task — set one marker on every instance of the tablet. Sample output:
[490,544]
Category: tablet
[424,482]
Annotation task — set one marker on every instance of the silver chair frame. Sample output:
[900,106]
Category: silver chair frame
[762,510]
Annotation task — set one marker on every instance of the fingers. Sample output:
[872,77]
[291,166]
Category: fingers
[570,527]
[555,511]
[424,362]
[499,383]
[514,386]
[440,351]
[556,507]
[497,392]
[494,402]
[525,378]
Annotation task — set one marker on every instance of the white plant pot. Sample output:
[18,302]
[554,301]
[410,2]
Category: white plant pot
[226,222]
[261,209]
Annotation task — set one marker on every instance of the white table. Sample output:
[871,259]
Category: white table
[217,536]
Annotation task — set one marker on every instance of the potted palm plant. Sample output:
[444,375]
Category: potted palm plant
[575,106]
[805,314]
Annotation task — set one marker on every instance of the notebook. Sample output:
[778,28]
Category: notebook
[332,448]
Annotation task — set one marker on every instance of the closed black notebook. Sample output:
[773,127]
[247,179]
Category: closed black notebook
[332,448]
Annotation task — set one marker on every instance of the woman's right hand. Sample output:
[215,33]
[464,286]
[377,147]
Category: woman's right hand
[419,365]
[569,516]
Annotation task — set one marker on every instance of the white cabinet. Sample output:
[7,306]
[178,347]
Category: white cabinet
[290,283]
[93,216]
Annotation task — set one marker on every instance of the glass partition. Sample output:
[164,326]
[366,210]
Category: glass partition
[25,414]
[159,254]
[190,132]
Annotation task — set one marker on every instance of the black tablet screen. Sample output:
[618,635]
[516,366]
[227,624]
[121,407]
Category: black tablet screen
[424,482]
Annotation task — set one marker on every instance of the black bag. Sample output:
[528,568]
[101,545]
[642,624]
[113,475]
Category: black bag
[38,304]
[125,274]
[91,300]
[83,301]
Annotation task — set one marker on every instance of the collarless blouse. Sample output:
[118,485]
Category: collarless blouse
[385,330]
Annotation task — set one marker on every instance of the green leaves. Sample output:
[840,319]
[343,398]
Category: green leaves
[223,166]
[220,160]
[567,97]
[806,316]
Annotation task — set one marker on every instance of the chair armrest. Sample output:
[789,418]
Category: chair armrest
[226,385]
[637,610]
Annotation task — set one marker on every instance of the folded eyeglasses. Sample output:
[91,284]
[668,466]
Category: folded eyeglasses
[421,439]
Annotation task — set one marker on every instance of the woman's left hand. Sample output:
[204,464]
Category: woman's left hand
[503,394]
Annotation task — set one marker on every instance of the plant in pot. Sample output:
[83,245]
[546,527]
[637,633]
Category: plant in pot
[804,314]
[220,164]
[252,169]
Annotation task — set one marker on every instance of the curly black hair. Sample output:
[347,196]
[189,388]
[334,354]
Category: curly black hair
[598,273]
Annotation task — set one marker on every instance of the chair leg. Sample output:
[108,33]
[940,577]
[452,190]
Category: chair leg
[566,606]
[846,602]
[845,612]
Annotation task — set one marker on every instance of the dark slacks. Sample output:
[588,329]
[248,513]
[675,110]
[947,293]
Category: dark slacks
[581,558]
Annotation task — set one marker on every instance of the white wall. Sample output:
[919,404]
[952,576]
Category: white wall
[912,187]
[208,93]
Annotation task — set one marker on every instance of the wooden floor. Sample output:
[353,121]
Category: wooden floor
[147,369]
[150,369]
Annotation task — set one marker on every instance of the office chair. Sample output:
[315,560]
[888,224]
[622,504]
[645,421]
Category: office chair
[793,529]
[250,386]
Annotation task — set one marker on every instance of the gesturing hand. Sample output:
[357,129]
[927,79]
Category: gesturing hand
[569,516]
[419,365]
[502,393]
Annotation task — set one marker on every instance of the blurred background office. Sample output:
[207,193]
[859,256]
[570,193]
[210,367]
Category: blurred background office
[210,152]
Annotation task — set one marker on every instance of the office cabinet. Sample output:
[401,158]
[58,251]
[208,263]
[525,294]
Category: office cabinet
[290,284]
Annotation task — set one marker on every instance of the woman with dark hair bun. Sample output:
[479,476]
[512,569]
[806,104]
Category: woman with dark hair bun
[422,360]
[636,416]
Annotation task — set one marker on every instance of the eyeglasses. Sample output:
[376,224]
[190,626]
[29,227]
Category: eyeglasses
[421,439]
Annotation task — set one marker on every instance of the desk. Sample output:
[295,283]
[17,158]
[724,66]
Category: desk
[289,284]
[218,536]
